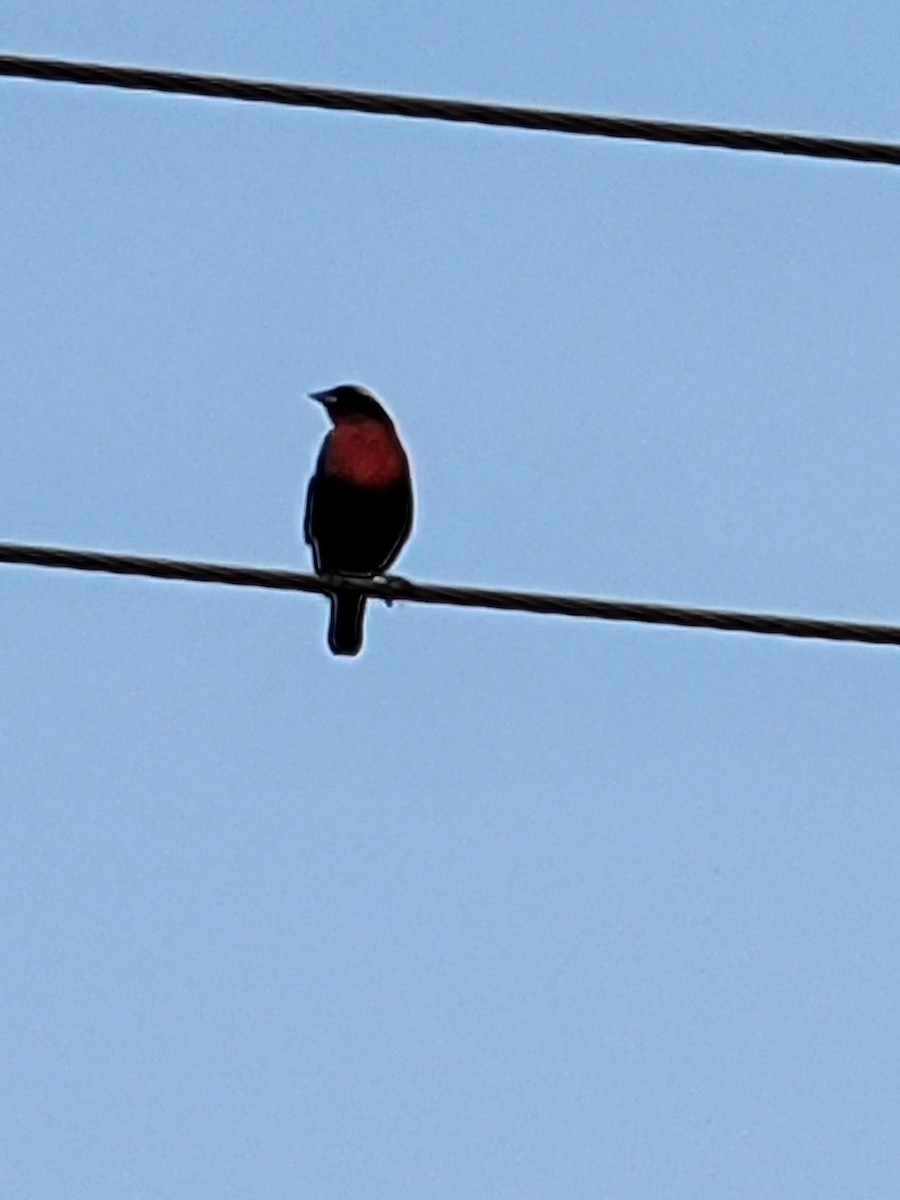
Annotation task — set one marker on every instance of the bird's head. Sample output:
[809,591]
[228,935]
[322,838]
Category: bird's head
[350,400]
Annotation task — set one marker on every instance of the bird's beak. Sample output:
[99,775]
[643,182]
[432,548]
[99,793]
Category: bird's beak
[322,397]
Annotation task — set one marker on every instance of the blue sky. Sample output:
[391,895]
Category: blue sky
[508,907]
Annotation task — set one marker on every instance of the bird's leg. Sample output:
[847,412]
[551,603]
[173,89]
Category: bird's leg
[359,577]
[349,576]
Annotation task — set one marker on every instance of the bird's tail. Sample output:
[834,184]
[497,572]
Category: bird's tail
[345,630]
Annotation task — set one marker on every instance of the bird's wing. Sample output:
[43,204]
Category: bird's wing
[311,494]
[407,523]
[307,516]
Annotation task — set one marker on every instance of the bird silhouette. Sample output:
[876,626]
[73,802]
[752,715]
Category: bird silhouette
[359,505]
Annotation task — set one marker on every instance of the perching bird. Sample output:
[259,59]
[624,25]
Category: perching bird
[359,507]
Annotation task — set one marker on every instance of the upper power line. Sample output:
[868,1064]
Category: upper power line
[460,111]
[394,588]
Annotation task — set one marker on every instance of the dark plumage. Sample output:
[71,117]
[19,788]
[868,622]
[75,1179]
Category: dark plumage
[359,507]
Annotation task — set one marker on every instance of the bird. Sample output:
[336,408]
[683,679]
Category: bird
[359,504]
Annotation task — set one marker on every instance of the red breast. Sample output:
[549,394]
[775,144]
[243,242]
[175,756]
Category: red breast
[366,453]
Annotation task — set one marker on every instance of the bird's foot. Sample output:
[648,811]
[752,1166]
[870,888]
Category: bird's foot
[358,577]
[389,579]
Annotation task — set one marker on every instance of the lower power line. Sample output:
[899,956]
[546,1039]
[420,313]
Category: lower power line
[393,588]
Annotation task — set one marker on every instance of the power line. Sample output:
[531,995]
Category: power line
[394,588]
[461,111]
